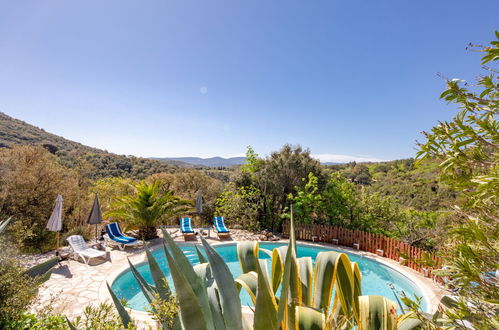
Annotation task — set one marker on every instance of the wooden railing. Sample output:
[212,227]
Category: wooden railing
[384,246]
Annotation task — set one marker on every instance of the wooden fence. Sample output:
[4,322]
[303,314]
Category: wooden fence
[374,243]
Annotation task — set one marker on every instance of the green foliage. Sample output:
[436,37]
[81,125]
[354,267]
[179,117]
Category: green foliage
[468,148]
[252,164]
[186,184]
[109,188]
[308,202]
[148,208]
[343,203]
[30,180]
[42,321]
[239,206]
[15,292]
[276,177]
[358,173]
[165,311]
[18,286]
[99,317]
[415,187]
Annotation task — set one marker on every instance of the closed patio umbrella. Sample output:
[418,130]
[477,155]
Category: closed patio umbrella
[95,216]
[199,203]
[55,220]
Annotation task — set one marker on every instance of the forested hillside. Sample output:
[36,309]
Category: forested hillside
[412,186]
[97,163]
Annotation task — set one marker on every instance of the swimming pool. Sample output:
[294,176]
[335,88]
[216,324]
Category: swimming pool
[375,276]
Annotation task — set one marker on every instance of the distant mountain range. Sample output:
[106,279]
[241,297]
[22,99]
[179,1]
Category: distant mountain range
[17,132]
[209,162]
[213,161]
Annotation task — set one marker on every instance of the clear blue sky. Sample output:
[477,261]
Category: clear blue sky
[207,78]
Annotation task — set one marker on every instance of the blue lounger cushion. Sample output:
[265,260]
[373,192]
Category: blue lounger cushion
[114,232]
[186,226]
[219,224]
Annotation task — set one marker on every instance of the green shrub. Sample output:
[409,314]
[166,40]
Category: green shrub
[99,317]
[45,321]
[15,292]
[239,206]
[164,311]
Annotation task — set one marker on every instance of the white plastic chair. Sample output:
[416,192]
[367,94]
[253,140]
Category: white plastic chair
[80,249]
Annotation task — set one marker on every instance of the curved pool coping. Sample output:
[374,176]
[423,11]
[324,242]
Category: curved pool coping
[431,293]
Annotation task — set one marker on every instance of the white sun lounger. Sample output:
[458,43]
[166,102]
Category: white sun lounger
[80,249]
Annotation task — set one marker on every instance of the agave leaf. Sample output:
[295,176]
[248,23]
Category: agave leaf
[197,285]
[357,289]
[333,269]
[377,312]
[247,253]
[160,281]
[70,325]
[283,310]
[125,317]
[201,257]
[249,281]
[146,288]
[191,312]
[3,224]
[278,255]
[204,273]
[306,279]
[43,270]
[324,278]
[308,318]
[265,273]
[265,316]
[228,293]
[177,323]
[345,285]
[216,309]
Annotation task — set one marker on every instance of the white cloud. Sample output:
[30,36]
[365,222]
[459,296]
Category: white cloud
[335,158]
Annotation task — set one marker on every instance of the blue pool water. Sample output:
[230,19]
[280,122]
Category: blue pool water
[375,276]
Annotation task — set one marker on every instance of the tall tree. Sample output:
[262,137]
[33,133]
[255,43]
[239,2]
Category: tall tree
[278,175]
[468,147]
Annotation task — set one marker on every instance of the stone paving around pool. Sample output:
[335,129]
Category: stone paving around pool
[74,285]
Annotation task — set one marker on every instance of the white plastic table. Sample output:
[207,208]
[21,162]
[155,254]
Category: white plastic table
[202,230]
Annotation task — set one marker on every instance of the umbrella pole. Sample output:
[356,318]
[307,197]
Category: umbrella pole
[57,245]
[96,233]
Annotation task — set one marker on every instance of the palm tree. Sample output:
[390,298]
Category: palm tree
[147,208]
